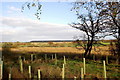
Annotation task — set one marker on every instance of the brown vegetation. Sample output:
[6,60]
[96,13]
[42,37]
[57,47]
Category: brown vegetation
[103,50]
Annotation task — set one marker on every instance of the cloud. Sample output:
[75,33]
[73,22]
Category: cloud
[22,29]
[13,9]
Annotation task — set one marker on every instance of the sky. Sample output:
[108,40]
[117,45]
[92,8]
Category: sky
[24,26]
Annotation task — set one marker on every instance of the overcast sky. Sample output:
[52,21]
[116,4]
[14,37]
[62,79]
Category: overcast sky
[55,17]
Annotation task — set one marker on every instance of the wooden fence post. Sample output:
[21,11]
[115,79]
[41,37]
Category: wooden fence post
[21,65]
[46,57]
[39,75]
[64,60]
[55,59]
[107,60]
[75,77]
[52,56]
[82,74]
[35,57]
[84,66]
[1,69]
[31,57]
[24,59]
[63,72]
[30,72]
[104,69]
[9,76]
[10,73]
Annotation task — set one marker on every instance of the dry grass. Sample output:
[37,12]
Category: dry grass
[103,50]
[48,49]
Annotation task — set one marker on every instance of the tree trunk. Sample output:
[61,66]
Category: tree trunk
[89,48]
[91,44]
[86,51]
[89,52]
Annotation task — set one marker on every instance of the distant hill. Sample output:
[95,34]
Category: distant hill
[54,41]
[114,40]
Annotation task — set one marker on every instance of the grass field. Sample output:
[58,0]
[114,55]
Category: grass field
[51,68]
[57,47]
[103,50]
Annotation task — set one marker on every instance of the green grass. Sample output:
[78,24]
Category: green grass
[72,68]
[105,43]
[47,44]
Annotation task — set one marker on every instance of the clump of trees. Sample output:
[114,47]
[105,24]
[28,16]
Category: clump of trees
[99,20]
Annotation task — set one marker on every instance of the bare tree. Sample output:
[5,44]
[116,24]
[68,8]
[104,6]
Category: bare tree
[90,23]
[111,13]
